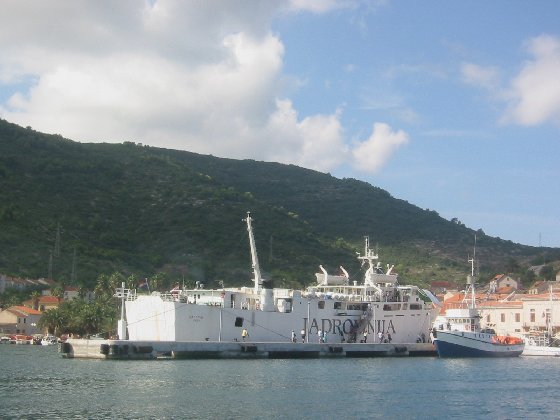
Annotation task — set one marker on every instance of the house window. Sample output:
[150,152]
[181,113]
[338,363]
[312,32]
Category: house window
[532,315]
[488,318]
[321,304]
[503,317]
[518,317]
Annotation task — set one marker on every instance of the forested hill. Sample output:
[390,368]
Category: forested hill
[78,210]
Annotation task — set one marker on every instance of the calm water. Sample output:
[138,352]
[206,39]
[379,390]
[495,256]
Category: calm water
[36,382]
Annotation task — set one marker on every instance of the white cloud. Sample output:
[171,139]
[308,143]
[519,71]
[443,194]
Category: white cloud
[486,77]
[371,155]
[205,78]
[319,6]
[535,91]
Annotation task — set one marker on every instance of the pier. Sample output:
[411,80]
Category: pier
[151,350]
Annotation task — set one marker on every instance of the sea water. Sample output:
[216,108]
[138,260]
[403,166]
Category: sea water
[36,382]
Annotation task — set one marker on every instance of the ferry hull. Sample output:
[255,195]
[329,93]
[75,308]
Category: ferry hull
[150,318]
[468,345]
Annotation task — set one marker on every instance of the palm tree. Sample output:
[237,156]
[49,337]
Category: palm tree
[52,320]
[35,298]
[58,291]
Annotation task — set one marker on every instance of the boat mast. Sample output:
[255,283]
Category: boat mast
[471,279]
[254,257]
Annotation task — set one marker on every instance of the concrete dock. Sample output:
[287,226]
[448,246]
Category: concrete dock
[148,350]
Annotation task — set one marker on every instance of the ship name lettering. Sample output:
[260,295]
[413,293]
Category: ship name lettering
[347,326]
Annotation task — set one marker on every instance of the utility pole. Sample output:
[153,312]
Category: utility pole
[73,275]
[57,241]
[50,274]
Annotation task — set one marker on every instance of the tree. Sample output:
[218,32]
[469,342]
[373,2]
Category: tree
[547,272]
[52,320]
[91,318]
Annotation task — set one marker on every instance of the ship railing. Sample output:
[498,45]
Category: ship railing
[131,295]
[457,305]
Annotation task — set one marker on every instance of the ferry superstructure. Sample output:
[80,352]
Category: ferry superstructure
[334,310]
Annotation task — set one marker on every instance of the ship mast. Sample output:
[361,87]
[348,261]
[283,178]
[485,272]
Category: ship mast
[254,257]
[369,256]
[471,279]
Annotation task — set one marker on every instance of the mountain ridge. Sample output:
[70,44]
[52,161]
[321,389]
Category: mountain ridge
[143,210]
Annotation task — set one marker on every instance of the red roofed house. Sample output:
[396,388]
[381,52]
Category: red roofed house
[501,281]
[19,320]
[43,303]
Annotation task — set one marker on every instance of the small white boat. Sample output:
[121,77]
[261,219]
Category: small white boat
[541,345]
[49,340]
[23,339]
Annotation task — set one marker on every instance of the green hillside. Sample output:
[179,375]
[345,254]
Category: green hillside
[78,210]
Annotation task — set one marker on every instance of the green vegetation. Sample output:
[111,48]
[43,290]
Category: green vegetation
[76,211]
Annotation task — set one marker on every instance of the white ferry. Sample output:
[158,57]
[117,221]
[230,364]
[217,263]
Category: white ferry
[334,310]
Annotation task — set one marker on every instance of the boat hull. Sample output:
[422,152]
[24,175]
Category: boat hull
[541,351]
[460,344]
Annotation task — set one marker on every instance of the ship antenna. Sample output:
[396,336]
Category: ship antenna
[254,257]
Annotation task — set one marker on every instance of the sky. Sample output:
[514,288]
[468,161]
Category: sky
[453,106]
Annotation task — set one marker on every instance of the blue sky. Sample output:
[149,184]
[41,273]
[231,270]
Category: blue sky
[453,106]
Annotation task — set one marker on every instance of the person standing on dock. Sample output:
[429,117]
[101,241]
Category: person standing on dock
[303,336]
[365,336]
[244,334]
[320,335]
[293,336]
[380,335]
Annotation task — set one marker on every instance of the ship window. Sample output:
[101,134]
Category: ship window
[416,306]
[238,321]
[321,304]
[337,305]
